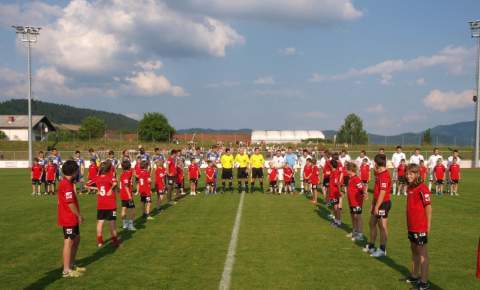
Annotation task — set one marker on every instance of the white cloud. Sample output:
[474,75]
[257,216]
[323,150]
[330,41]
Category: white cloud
[49,75]
[12,83]
[267,80]
[148,83]
[453,58]
[445,101]
[315,115]
[318,12]
[376,109]
[223,84]
[150,65]
[421,82]
[37,13]
[288,51]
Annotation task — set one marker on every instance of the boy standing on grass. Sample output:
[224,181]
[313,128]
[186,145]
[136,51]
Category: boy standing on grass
[315,181]
[145,190]
[180,180]
[423,171]
[289,178]
[402,181]
[454,176]
[307,174]
[37,172]
[81,169]
[210,177]
[50,171]
[160,175]
[419,216]
[272,178]
[128,206]
[69,219]
[92,175]
[356,194]
[439,174]
[171,174]
[193,175]
[381,205]
[106,204]
[365,173]
[334,193]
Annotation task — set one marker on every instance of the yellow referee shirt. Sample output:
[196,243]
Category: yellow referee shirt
[227,161]
[257,160]
[242,160]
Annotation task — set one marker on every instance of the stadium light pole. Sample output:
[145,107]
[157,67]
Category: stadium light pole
[475,28]
[28,35]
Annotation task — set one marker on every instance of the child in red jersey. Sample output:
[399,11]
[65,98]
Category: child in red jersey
[365,173]
[180,179]
[193,175]
[106,203]
[439,174]
[307,174]
[272,178]
[128,205]
[69,218]
[454,171]
[92,175]
[36,175]
[356,195]
[423,170]
[334,193]
[315,181]
[381,205]
[419,216]
[288,177]
[160,186]
[402,181]
[327,169]
[210,177]
[136,172]
[144,188]
[50,175]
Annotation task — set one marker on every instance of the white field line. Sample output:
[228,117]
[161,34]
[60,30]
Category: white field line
[232,248]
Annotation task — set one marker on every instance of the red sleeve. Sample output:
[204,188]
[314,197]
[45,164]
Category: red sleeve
[425,195]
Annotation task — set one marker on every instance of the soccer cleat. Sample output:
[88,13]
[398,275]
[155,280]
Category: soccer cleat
[378,253]
[349,235]
[423,285]
[79,269]
[357,237]
[99,245]
[412,280]
[131,227]
[369,250]
[71,274]
[150,218]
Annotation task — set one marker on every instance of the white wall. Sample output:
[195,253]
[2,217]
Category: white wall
[16,134]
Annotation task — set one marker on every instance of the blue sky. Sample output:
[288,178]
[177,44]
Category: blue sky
[272,64]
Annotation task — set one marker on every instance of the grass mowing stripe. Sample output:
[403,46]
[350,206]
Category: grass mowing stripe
[230,261]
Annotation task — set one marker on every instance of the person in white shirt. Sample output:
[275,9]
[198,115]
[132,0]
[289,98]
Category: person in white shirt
[416,157]
[302,162]
[278,162]
[396,159]
[360,158]
[344,157]
[432,161]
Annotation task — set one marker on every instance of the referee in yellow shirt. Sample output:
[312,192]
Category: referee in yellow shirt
[242,160]
[227,169]
[257,162]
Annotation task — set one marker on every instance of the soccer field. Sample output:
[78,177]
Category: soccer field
[284,242]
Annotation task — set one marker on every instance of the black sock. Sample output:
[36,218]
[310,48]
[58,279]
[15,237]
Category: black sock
[371,246]
[383,248]
[252,185]
[223,185]
[230,184]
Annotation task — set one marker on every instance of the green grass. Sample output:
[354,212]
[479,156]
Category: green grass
[284,243]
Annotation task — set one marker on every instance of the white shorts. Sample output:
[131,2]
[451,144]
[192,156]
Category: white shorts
[280,174]
[395,174]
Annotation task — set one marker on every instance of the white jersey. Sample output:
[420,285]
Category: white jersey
[303,161]
[359,161]
[450,160]
[432,161]
[278,161]
[397,157]
[415,159]
[344,159]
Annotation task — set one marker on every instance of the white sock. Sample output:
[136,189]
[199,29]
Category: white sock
[394,188]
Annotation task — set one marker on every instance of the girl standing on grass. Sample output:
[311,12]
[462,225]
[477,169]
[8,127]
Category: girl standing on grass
[419,216]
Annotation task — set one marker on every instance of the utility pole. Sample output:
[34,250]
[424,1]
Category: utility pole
[475,28]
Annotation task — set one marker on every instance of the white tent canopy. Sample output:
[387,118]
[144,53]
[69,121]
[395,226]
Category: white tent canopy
[285,136]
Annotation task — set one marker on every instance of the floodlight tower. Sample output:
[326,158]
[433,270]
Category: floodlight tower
[28,35]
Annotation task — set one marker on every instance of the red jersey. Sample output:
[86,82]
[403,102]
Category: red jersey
[288,174]
[193,171]
[401,170]
[160,174]
[37,171]
[92,171]
[66,196]
[355,191]
[382,182]
[423,172]
[51,171]
[439,171]
[179,175]
[365,172]
[171,166]
[315,179]
[454,171]
[417,199]
[327,169]
[104,184]
[137,169]
[333,187]
[144,181]
[125,183]
[210,174]
[307,172]
[272,175]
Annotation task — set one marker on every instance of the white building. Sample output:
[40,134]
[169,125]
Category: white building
[285,136]
[16,127]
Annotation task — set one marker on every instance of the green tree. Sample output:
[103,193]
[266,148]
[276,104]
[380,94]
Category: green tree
[427,137]
[3,136]
[352,131]
[155,127]
[92,127]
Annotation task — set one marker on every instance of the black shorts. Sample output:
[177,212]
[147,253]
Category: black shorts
[326,181]
[107,214]
[146,199]
[419,239]
[402,180]
[35,181]
[128,203]
[356,209]
[71,232]
[194,180]
[242,173]
[50,182]
[314,186]
[439,181]
[289,182]
[257,172]
[384,209]
[212,184]
[365,181]
[273,184]
[346,179]
[160,192]
[227,173]
[171,180]
[454,181]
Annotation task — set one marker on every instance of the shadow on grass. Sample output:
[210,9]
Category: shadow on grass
[108,249]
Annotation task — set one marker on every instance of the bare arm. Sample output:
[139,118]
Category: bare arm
[76,212]
[428,211]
